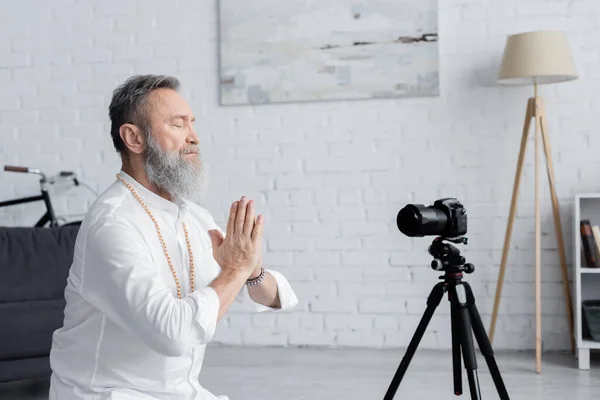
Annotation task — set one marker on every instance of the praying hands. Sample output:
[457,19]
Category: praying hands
[240,249]
[239,255]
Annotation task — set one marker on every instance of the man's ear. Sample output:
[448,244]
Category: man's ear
[132,137]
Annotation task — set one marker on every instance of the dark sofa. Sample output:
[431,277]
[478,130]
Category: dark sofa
[34,266]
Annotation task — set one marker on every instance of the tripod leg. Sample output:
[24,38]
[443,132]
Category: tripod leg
[484,343]
[456,360]
[432,302]
[511,215]
[557,225]
[459,298]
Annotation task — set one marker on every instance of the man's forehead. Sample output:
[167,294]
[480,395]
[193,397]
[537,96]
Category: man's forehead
[168,102]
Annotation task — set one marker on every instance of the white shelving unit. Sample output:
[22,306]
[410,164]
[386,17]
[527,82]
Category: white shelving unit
[587,280]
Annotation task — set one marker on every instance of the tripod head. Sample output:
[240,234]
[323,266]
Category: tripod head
[447,258]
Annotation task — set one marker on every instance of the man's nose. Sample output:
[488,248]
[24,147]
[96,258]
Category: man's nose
[193,136]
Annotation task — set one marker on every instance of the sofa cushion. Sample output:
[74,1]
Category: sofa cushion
[22,369]
[35,262]
[29,327]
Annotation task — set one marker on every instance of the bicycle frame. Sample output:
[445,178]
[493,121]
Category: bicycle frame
[49,216]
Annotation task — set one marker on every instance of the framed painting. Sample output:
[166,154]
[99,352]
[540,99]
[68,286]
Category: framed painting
[274,51]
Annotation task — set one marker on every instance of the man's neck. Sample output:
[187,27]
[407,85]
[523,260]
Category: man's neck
[140,175]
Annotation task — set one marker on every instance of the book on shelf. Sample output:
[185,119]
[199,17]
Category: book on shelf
[590,242]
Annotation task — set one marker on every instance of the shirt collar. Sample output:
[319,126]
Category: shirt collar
[152,199]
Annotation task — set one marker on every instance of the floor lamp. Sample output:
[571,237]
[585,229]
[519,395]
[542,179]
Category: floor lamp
[536,58]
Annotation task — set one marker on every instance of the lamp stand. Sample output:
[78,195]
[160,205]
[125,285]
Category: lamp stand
[536,110]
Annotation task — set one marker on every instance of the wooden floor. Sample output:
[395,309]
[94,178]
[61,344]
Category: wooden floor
[353,374]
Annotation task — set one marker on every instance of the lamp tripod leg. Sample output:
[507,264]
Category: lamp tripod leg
[511,216]
[538,244]
[557,224]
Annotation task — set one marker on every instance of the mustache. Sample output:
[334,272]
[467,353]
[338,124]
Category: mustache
[190,149]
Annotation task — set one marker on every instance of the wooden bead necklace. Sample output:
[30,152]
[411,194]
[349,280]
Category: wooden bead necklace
[162,241]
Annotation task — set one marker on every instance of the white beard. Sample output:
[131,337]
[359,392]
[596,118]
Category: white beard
[171,172]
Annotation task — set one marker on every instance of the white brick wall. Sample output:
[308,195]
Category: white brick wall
[330,176]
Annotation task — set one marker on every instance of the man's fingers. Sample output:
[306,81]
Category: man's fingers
[216,238]
[258,228]
[219,235]
[249,223]
[231,222]
[241,216]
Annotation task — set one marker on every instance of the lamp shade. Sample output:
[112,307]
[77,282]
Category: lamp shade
[542,57]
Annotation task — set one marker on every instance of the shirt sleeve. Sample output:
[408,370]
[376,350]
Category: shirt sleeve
[120,278]
[287,296]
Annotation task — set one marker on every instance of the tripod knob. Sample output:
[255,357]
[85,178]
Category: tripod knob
[437,265]
[469,268]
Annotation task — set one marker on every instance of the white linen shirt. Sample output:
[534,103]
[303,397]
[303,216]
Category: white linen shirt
[125,334]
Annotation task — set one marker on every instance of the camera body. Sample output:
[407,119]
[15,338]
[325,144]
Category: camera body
[456,215]
[447,217]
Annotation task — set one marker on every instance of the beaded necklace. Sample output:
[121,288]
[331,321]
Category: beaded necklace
[164,246]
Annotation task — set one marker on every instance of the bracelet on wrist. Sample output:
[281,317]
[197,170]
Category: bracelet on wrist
[258,280]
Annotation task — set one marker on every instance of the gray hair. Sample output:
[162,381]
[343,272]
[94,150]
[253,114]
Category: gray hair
[129,104]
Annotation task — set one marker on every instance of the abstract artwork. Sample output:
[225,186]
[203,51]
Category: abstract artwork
[274,51]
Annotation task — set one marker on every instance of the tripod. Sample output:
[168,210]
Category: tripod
[464,318]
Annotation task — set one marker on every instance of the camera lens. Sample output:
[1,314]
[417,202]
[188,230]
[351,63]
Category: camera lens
[418,220]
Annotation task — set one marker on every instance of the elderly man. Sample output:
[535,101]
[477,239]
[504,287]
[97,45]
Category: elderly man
[152,273]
